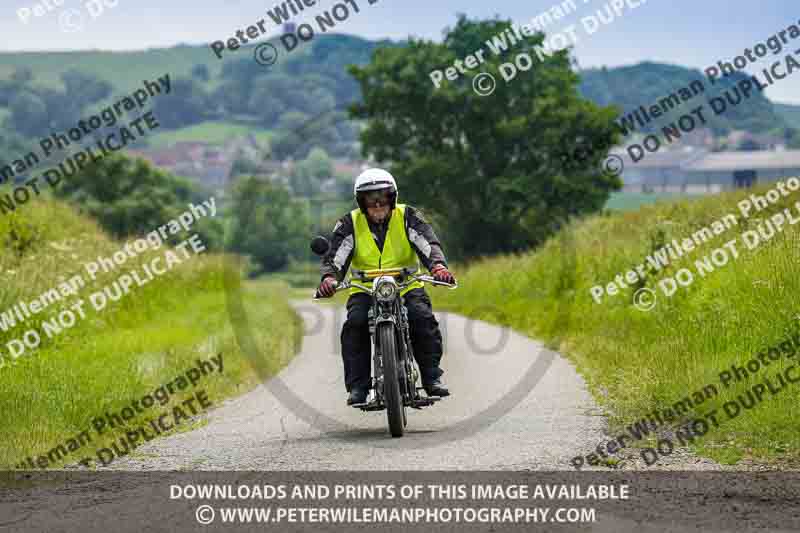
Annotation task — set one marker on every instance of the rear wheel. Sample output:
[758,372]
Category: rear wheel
[391,383]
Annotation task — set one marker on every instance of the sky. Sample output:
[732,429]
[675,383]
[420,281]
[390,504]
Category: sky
[694,33]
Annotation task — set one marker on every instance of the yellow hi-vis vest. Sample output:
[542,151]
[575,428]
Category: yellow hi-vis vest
[397,250]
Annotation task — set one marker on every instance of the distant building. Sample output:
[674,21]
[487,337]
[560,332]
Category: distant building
[659,172]
[209,165]
[746,141]
[698,171]
[732,170]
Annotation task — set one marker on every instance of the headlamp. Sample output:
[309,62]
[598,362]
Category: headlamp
[385,289]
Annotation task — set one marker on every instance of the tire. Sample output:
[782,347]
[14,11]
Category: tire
[391,383]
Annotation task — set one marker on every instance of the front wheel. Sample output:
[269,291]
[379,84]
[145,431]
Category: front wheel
[391,383]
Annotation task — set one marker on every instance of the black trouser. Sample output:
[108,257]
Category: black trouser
[426,339]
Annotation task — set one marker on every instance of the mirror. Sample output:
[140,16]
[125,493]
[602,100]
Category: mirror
[320,245]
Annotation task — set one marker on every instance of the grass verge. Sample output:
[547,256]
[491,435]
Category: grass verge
[118,355]
[636,362]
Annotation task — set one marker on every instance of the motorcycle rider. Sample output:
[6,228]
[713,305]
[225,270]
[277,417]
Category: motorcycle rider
[383,233]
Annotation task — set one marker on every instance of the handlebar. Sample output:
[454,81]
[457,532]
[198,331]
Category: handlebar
[346,284]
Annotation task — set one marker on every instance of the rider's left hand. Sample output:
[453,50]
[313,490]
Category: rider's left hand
[440,273]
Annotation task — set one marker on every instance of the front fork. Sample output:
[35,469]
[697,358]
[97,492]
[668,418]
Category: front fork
[412,375]
[377,372]
[407,389]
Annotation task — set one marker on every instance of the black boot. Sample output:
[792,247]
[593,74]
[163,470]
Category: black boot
[436,388]
[357,395]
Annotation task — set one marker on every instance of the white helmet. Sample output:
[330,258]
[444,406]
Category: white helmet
[375,179]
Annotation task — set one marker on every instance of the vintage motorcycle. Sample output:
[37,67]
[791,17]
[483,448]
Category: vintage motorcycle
[394,370]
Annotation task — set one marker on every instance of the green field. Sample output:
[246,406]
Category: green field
[637,361]
[142,65]
[216,133]
[632,201]
[119,354]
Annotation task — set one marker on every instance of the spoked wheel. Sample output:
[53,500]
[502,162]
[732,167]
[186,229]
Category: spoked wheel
[395,410]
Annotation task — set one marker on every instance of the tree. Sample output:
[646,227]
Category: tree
[29,116]
[308,174]
[233,97]
[187,104]
[36,111]
[298,134]
[127,196]
[265,100]
[499,170]
[85,89]
[268,225]
[12,147]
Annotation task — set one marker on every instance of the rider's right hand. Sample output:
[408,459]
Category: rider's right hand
[328,287]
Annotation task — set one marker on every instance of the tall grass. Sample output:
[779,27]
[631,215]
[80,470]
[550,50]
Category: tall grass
[636,361]
[119,354]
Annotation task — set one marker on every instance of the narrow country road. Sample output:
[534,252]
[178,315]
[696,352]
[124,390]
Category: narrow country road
[514,405]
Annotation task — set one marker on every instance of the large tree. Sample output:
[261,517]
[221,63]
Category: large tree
[268,224]
[500,171]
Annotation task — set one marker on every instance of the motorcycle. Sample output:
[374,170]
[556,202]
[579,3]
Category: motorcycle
[394,384]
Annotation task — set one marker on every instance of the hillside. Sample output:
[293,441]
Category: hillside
[43,92]
[639,361]
[646,83]
[331,51]
[308,89]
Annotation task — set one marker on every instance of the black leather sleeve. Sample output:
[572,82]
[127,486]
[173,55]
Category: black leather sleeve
[338,258]
[423,239]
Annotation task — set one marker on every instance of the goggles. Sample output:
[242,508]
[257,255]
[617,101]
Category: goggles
[374,198]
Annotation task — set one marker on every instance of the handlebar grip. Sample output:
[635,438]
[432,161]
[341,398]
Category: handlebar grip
[318,296]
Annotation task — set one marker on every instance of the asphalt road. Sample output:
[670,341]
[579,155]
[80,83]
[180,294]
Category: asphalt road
[514,405]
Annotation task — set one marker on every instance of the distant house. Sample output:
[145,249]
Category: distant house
[207,164]
[697,172]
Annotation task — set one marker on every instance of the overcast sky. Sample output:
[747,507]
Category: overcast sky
[694,33]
